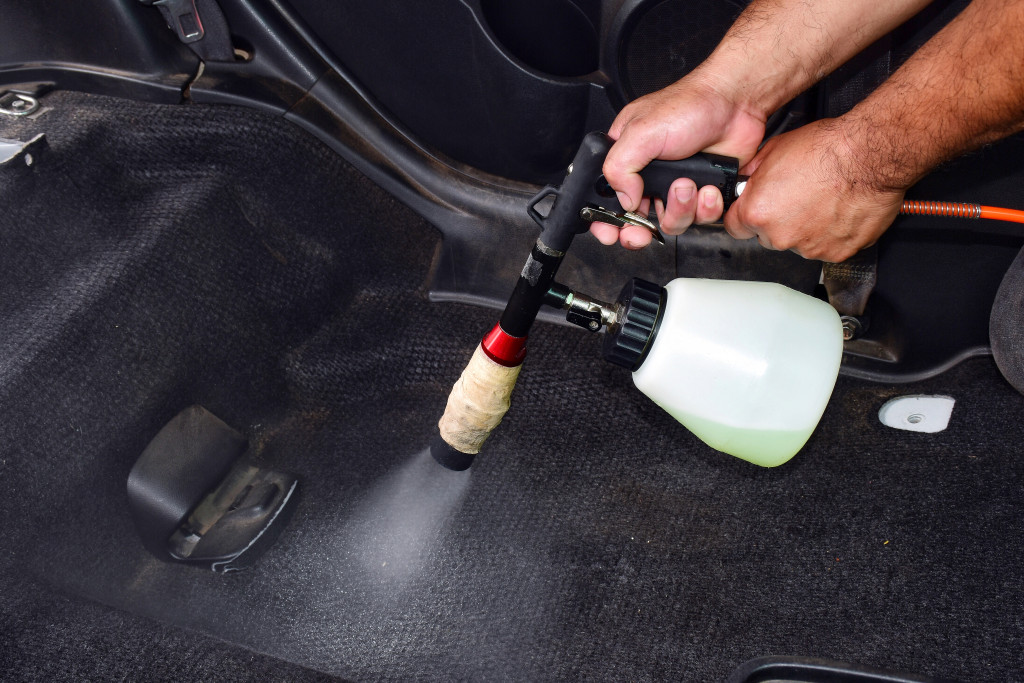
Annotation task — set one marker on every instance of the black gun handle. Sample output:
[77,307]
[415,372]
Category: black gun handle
[585,185]
[703,169]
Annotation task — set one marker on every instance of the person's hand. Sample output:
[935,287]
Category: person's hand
[811,192]
[692,115]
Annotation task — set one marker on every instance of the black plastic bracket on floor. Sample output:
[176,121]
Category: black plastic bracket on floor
[810,670]
[197,498]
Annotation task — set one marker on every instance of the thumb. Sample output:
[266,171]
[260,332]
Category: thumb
[628,156]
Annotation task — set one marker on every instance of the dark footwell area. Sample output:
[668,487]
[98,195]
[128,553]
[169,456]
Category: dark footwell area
[155,257]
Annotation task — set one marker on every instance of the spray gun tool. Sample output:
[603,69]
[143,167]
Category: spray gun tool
[481,396]
[783,346]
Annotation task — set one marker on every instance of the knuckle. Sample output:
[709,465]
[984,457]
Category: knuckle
[784,242]
[755,213]
[677,224]
[839,255]
[821,253]
[612,164]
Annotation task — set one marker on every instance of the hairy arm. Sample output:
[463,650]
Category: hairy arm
[774,51]
[962,89]
[833,187]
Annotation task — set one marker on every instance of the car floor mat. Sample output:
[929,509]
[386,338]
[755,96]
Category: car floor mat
[159,256]
[50,636]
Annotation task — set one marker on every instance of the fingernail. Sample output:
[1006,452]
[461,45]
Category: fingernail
[624,200]
[710,200]
[684,194]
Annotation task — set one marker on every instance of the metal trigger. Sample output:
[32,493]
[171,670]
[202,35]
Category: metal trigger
[593,214]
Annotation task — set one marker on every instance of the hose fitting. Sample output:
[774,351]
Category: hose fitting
[953,209]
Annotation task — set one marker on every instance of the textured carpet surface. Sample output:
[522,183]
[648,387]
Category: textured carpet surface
[156,257]
[48,636]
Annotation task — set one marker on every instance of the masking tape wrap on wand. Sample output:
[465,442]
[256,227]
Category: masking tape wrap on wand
[479,399]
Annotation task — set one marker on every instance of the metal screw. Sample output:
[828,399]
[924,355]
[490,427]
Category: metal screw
[594,325]
[19,104]
[916,418]
[851,327]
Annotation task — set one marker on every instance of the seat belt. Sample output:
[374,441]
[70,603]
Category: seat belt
[849,285]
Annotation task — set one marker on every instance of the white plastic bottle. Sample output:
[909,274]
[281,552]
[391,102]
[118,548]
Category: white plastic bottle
[748,367]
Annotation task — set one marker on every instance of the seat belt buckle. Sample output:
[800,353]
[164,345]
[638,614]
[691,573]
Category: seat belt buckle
[182,17]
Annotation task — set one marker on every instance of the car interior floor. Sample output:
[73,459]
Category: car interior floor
[154,257]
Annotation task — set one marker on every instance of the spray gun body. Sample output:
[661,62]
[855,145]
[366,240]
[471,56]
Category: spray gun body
[481,396]
[746,366]
[585,197]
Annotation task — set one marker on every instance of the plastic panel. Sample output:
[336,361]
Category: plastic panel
[112,47]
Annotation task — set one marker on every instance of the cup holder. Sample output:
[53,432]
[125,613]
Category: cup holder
[552,36]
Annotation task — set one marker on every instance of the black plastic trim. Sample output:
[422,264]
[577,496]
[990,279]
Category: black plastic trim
[109,47]
[483,217]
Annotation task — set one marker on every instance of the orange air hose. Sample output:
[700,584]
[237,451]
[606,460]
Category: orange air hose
[961,210]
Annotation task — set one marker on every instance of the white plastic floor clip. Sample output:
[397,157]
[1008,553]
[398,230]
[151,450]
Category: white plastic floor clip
[10,149]
[13,149]
[918,413]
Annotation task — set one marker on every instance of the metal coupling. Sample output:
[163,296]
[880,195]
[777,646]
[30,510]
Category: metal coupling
[581,310]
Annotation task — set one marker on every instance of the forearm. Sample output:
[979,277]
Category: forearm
[962,89]
[832,187]
[776,49]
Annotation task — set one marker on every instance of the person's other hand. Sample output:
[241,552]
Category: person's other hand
[692,115]
[812,193]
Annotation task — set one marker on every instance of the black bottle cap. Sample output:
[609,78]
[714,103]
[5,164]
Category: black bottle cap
[640,305]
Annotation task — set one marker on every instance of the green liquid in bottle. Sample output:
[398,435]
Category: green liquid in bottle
[764,447]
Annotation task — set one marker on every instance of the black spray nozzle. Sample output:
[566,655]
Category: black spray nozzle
[448,456]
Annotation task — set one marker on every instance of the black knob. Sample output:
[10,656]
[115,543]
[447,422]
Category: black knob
[628,341]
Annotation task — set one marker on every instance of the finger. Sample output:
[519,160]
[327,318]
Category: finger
[606,234]
[734,226]
[622,120]
[627,157]
[751,167]
[634,237]
[710,205]
[659,210]
[680,207]
[765,242]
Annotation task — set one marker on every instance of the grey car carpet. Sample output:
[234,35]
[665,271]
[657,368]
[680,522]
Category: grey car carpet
[154,257]
[50,636]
